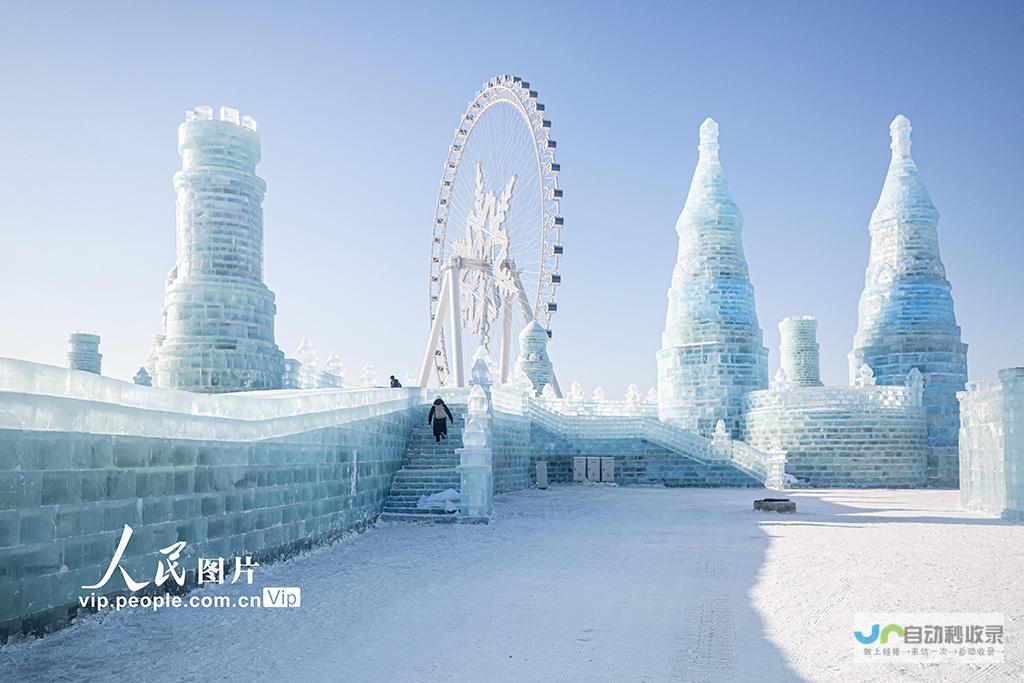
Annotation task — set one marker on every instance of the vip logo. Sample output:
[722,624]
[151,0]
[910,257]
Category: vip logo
[282,597]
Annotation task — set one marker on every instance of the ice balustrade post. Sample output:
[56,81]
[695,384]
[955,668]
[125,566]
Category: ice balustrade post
[476,472]
[721,442]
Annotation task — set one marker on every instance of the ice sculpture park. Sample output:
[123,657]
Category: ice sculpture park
[225,441]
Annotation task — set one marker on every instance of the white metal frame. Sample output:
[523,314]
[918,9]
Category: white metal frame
[444,270]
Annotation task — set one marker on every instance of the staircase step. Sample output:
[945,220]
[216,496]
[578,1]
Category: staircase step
[449,518]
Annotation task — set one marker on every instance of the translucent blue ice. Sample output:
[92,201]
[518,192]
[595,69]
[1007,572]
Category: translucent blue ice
[906,308]
[712,351]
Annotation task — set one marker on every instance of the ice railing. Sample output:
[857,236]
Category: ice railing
[614,420]
[622,419]
[769,467]
[877,397]
[49,398]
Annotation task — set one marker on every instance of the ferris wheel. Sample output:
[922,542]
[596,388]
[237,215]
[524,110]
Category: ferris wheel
[496,236]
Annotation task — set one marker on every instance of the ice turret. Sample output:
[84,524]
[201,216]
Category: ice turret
[712,351]
[799,356]
[218,313]
[533,355]
[906,317]
[84,352]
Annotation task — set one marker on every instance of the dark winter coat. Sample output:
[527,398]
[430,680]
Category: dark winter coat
[439,416]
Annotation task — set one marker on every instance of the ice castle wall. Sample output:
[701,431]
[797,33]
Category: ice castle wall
[262,473]
[712,352]
[992,444]
[218,313]
[856,437]
[906,317]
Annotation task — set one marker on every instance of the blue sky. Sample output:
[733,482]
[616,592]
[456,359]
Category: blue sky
[357,104]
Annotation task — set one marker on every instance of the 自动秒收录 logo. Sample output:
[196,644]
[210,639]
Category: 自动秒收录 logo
[964,637]
[877,633]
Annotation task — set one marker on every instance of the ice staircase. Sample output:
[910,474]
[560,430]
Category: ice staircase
[427,468]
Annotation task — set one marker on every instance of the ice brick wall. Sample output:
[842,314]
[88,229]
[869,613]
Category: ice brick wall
[857,437]
[510,444]
[218,313]
[259,474]
[712,351]
[906,317]
[992,444]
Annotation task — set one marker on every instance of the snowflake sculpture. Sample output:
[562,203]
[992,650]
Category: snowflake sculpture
[488,273]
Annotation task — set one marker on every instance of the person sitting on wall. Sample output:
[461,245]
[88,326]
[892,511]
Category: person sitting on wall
[395,384]
[438,417]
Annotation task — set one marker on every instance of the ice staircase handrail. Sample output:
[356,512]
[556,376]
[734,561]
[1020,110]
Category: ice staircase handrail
[676,439]
[769,468]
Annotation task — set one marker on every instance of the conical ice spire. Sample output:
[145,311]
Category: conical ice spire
[712,350]
[903,195]
[906,317]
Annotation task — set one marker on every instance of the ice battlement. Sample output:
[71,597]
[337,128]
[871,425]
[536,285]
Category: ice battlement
[204,112]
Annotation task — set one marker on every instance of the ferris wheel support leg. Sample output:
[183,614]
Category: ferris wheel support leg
[434,340]
[506,339]
[455,318]
[554,385]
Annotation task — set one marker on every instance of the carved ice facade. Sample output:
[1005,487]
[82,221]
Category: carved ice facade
[218,313]
[712,350]
[992,444]
[906,317]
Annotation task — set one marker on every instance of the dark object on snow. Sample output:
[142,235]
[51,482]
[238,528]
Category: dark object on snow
[439,416]
[775,505]
[395,384]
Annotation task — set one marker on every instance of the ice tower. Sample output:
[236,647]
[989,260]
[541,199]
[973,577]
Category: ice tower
[84,352]
[533,355]
[799,355]
[711,351]
[218,313]
[906,317]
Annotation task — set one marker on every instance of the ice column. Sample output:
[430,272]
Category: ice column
[798,351]
[712,351]
[906,308]
[476,472]
[84,352]
[218,313]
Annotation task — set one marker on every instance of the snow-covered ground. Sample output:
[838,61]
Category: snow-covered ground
[585,583]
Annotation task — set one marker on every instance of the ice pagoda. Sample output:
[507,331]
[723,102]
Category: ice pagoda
[712,350]
[906,317]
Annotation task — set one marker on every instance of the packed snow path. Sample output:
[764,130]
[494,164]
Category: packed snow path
[584,583]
